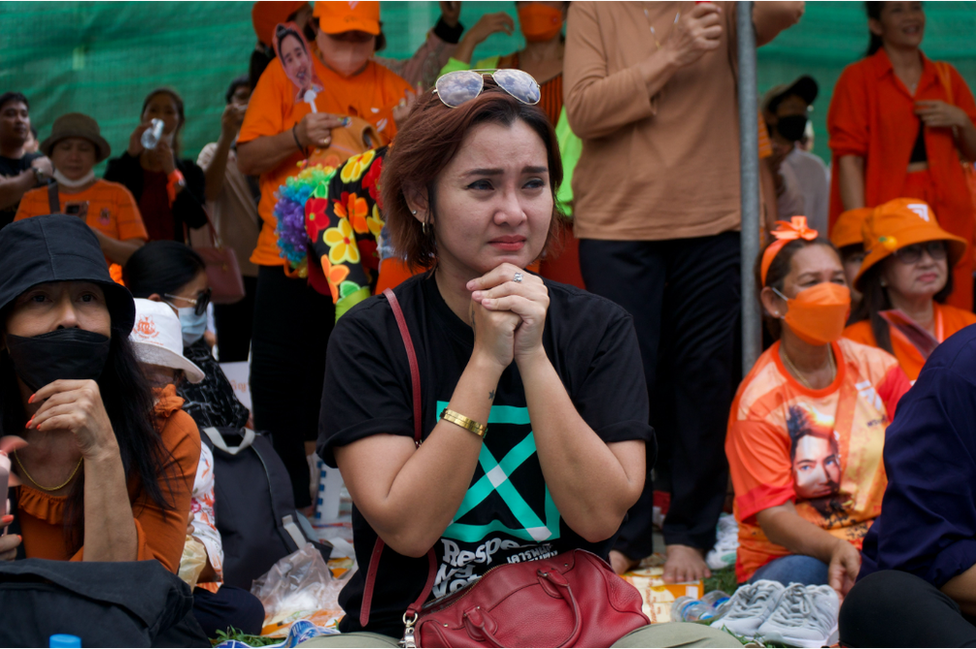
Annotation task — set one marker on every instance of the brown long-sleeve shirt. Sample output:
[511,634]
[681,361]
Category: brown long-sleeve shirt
[661,167]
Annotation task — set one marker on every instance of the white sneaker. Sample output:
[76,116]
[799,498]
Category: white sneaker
[750,606]
[806,616]
[726,543]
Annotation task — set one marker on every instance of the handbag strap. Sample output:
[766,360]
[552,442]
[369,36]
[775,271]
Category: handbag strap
[53,200]
[374,558]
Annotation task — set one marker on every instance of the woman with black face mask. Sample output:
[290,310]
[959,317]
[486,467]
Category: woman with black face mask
[102,477]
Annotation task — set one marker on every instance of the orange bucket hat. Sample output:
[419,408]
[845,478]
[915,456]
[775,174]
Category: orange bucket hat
[352,16]
[847,230]
[265,15]
[901,223]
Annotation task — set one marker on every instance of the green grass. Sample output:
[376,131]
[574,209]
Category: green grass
[723,579]
[252,640]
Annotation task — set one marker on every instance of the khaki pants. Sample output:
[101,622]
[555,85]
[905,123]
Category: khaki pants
[673,634]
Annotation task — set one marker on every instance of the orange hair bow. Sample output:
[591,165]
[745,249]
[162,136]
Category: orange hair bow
[795,229]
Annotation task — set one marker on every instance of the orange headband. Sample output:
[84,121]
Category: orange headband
[784,233]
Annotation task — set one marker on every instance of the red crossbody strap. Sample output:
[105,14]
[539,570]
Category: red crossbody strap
[414,609]
[411,358]
[374,558]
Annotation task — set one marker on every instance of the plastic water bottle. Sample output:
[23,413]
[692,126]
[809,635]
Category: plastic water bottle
[64,640]
[689,609]
[718,600]
[152,135]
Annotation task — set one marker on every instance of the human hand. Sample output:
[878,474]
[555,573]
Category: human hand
[231,120]
[8,542]
[44,165]
[75,406]
[696,32]
[490,24]
[450,12]
[163,153]
[939,114]
[529,300]
[403,109]
[845,563]
[315,129]
[135,140]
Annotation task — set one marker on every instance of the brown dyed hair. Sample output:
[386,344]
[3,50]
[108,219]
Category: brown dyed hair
[427,143]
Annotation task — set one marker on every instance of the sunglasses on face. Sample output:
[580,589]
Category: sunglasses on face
[911,254]
[199,303]
[455,88]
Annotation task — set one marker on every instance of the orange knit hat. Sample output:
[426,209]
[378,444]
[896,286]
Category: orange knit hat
[901,223]
[847,228]
[265,15]
[352,16]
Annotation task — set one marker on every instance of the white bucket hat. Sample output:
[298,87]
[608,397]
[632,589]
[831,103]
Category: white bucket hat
[158,339]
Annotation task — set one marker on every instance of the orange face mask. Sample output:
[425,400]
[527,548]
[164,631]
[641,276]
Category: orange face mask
[817,315]
[539,22]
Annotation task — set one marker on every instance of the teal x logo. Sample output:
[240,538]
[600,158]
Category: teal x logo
[496,479]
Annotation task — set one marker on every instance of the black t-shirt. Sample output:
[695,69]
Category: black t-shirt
[507,515]
[14,167]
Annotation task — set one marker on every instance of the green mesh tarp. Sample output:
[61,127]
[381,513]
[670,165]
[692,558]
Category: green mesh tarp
[102,58]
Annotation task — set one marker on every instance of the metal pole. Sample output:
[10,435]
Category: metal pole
[749,168]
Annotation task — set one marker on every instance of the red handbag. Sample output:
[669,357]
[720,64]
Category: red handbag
[573,599]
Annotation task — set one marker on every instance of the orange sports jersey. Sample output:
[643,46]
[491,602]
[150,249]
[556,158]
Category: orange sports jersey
[948,320]
[370,95]
[820,449]
[111,209]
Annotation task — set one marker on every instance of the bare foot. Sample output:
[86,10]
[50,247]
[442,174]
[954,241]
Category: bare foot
[621,563]
[685,563]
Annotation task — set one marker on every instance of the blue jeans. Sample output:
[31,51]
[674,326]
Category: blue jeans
[795,568]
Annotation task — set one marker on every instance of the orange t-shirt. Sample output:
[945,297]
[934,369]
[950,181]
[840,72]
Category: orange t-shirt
[371,95]
[948,320]
[820,449]
[160,533]
[111,209]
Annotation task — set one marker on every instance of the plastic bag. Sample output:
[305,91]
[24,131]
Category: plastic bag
[193,561]
[298,587]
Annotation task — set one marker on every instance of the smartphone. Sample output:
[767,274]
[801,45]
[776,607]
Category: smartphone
[77,208]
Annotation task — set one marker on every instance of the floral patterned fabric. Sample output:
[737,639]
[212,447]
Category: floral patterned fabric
[344,222]
[202,517]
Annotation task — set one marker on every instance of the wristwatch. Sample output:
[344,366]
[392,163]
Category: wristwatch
[39,176]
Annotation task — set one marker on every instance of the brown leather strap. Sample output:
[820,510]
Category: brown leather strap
[53,200]
[411,358]
[374,559]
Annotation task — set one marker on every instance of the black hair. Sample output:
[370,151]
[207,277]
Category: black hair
[175,96]
[876,300]
[161,267]
[873,8]
[240,82]
[778,269]
[128,402]
[261,56]
[849,251]
[8,97]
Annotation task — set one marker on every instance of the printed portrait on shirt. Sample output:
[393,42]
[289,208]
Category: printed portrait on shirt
[296,58]
[814,458]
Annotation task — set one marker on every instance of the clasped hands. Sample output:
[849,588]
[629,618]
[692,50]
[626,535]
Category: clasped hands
[508,316]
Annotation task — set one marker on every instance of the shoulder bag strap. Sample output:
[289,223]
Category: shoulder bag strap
[53,200]
[374,558]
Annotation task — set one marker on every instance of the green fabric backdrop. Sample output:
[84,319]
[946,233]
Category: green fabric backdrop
[102,58]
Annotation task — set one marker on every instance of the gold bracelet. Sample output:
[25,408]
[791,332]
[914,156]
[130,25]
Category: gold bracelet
[467,424]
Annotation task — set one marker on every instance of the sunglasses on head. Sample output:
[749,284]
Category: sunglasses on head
[911,254]
[455,88]
[199,303]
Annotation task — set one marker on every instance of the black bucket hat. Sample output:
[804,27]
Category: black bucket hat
[58,248]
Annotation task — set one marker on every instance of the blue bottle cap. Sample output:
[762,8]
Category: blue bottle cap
[64,640]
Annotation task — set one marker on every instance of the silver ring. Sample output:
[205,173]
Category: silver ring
[518,278]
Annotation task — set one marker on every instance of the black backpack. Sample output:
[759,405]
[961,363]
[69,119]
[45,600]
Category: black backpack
[254,505]
[120,604]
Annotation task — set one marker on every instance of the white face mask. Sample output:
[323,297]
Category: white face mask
[64,181]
